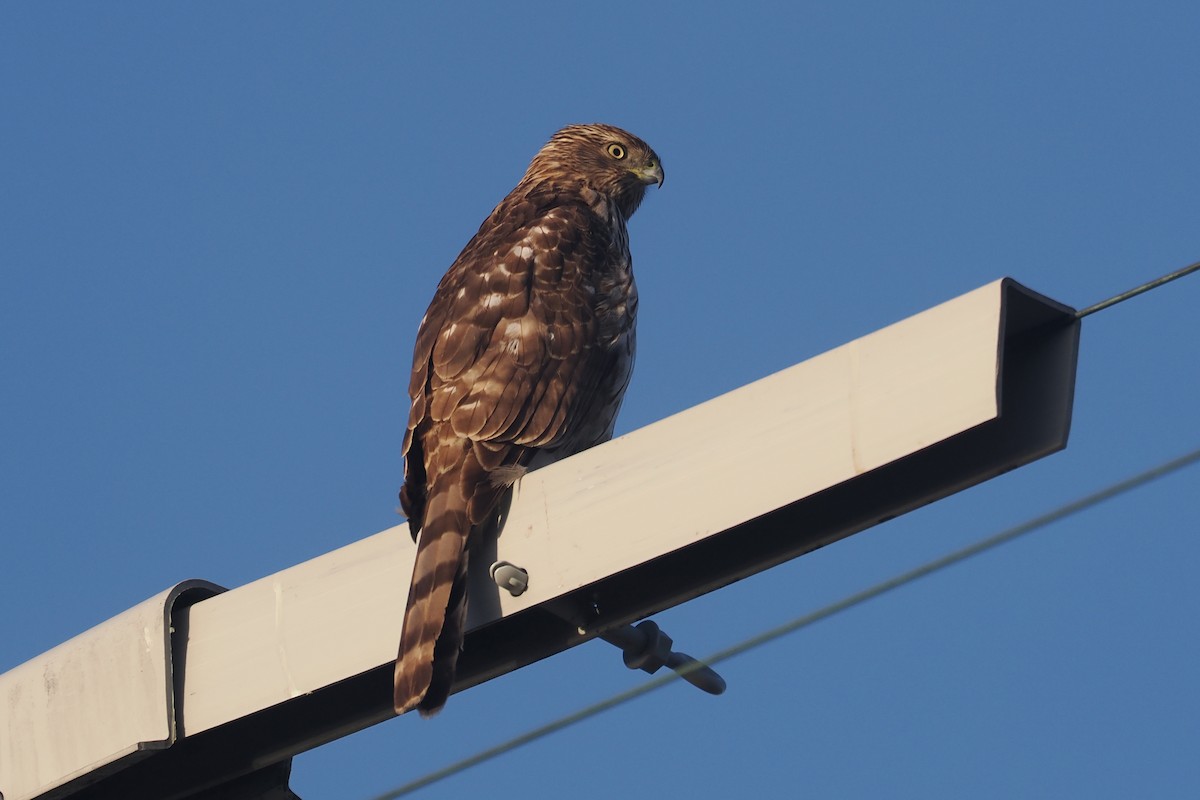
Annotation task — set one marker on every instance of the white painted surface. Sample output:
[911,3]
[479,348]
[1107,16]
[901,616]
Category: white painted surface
[297,630]
[87,702]
[699,472]
[92,700]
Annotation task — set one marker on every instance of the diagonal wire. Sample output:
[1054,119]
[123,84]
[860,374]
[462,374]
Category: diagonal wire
[983,545]
[1145,287]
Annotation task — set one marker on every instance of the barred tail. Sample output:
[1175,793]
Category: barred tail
[436,612]
[449,642]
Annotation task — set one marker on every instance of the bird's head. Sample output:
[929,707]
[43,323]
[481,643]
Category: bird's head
[604,158]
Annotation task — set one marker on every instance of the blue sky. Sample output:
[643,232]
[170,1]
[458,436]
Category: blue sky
[220,225]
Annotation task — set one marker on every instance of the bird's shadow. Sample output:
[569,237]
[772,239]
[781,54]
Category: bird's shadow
[484,595]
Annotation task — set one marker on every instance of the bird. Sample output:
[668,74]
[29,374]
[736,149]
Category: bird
[522,359]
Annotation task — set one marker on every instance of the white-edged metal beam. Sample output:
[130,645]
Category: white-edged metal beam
[899,418]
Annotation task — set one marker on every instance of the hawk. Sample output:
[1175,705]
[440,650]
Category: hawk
[522,359]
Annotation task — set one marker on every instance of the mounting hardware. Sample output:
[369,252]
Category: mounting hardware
[647,648]
[510,577]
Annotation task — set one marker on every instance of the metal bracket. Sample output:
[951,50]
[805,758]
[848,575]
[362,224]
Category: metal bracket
[647,648]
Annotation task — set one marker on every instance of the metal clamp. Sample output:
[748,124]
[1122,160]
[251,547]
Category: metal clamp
[647,648]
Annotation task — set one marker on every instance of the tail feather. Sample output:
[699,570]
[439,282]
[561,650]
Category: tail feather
[441,557]
[461,494]
[449,642]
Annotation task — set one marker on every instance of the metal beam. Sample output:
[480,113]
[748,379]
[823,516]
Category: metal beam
[889,422]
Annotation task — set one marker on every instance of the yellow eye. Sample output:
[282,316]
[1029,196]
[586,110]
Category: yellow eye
[616,151]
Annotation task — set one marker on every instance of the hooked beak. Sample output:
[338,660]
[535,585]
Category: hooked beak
[651,173]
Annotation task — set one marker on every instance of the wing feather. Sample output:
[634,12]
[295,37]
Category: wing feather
[512,364]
